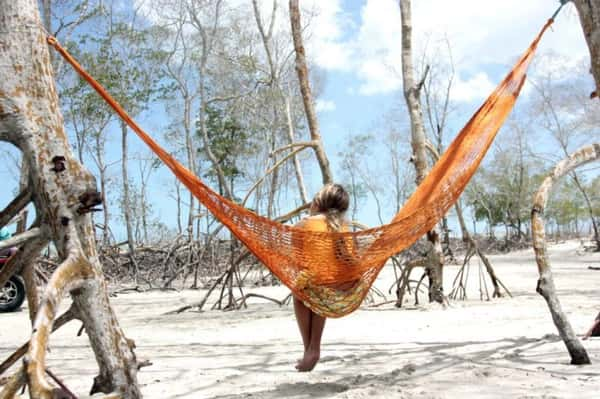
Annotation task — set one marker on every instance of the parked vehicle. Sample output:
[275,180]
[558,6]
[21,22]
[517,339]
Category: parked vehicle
[12,294]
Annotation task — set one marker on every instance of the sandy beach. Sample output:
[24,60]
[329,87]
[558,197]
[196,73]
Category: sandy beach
[503,348]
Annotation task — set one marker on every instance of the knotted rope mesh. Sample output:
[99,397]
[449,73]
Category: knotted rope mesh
[333,271]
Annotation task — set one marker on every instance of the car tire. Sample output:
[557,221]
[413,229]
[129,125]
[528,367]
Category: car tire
[12,294]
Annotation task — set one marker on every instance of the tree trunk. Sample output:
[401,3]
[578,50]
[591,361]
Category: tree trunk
[291,137]
[126,206]
[545,285]
[207,39]
[589,16]
[191,158]
[63,192]
[274,82]
[102,171]
[412,96]
[309,108]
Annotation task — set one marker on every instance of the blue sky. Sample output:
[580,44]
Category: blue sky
[355,44]
[360,51]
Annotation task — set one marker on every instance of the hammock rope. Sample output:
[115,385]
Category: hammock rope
[311,263]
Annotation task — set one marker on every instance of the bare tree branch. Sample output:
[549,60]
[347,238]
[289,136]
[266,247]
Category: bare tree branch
[271,170]
[15,206]
[20,239]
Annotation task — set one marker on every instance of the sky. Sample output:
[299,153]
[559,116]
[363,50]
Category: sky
[358,45]
[355,45]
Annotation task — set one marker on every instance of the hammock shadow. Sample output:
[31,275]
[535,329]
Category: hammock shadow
[509,353]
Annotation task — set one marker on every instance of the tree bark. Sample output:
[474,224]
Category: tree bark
[297,166]
[207,39]
[412,96]
[545,285]
[190,150]
[307,98]
[589,16]
[102,171]
[63,193]
[126,206]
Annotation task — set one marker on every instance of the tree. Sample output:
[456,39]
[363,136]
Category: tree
[589,15]
[557,99]
[545,284]
[131,66]
[309,108]
[229,142]
[31,120]
[412,90]
[88,117]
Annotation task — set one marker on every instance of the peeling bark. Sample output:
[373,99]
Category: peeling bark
[63,193]
[545,285]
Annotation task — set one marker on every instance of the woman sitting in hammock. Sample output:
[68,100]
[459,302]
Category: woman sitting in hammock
[326,214]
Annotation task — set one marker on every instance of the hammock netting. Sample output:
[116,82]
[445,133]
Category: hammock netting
[331,272]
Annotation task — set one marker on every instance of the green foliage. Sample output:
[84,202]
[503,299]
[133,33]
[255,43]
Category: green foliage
[229,142]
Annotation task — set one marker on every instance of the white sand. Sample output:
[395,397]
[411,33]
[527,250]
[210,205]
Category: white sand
[505,348]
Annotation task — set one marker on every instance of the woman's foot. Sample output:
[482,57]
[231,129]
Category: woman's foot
[308,362]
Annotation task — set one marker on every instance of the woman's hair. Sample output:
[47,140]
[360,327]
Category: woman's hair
[332,201]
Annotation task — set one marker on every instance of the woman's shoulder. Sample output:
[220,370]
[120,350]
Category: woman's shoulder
[313,222]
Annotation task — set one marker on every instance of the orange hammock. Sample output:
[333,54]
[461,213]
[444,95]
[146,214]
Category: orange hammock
[333,271]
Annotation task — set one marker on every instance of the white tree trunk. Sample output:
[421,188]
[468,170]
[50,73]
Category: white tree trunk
[63,193]
[435,257]
[545,285]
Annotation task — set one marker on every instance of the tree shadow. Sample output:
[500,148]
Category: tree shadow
[348,372]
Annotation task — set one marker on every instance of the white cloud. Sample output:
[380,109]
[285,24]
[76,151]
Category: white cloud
[477,87]
[327,23]
[480,35]
[324,105]
[376,77]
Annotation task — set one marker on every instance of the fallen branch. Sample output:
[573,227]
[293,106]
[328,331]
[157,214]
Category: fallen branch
[20,239]
[63,387]
[281,302]
[15,206]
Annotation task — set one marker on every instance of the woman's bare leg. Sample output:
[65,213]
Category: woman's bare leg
[313,353]
[303,317]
